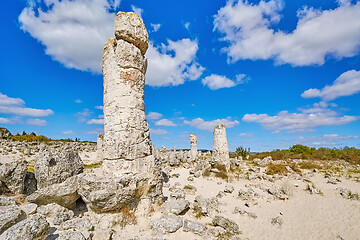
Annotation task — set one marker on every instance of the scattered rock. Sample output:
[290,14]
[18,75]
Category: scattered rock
[35,227]
[77,223]
[9,215]
[12,175]
[29,208]
[228,188]
[206,206]
[197,228]
[55,166]
[64,194]
[58,214]
[277,221]
[177,207]
[166,224]
[227,224]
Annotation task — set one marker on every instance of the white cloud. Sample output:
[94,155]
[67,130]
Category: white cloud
[8,120]
[246,134]
[99,107]
[154,115]
[172,64]
[187,25]
[201,124]
[16,106]
[81,116]
[307,118]
[325,140]
[73,32]
[165,122]
[215,81]
[158,131]
[346,84]
[78,101]
[68,132]
[96,131]
[319,33]
[137,10]
[95,121]
[36,122]
[155,27]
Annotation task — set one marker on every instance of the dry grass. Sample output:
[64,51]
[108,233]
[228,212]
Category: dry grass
[309,165]
[127,218]
[222,171]
[273,169]
[30,166]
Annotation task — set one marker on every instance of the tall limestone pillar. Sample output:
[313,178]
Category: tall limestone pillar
[126,132]
[220,153]
[193,144]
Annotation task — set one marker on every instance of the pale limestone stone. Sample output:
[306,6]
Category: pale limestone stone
[129,27]
[220,148]
[99,147]
[193,143]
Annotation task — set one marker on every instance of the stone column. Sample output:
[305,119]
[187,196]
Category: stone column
[193,143]
[220,148]
[99,148]
[126,132]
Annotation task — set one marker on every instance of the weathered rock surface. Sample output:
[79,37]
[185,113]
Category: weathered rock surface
[55,166]
[64,194]
[66,235]
[29,208]
[193,146]
[4,133]
[177,207]
[9,215]
[126,132]
[6,201]
[197,228]
[166,224]
[77,223]
[206,206]
[227,224]
[12,175]
[35,227]
[30,184]
[220,148]
[58,214]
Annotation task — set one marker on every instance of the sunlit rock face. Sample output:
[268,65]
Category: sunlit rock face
[193,145]
[126,132]
[220,148]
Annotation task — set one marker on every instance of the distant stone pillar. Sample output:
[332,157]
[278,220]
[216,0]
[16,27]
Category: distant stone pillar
[126,132]
[99,147]
[220,148]
[193,145]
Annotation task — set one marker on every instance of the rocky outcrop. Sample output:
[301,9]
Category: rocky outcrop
[9,215]
[35,227]
[55,166]
[12,175]
[126,132]
[220,151]
[4,133]
[64,194]
[193,145]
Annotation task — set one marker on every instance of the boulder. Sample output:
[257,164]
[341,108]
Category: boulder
[166,224]
[58,214]
[55,166]
[9,215]
[206,206]
[35,227]
[12,175]
[177,207]
[66,235]
[197,228]
[64,194]
[229,225]
[77,224]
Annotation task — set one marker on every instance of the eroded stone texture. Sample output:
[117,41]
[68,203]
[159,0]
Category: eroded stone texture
[126,132]
[12,175]
[193,142]
[220,148]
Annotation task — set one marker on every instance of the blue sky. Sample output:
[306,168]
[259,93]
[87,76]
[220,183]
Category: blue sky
[277,73]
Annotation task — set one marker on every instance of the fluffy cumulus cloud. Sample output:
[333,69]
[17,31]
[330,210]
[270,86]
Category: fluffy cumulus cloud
[137,10]
[173,63]
[250,32]
[165,122]
[73,32]
[346,84]
[154,115]
[16,106]
[325,140]
[201,124]
[158,131]
[304,121]
[68,132]
[215,81]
